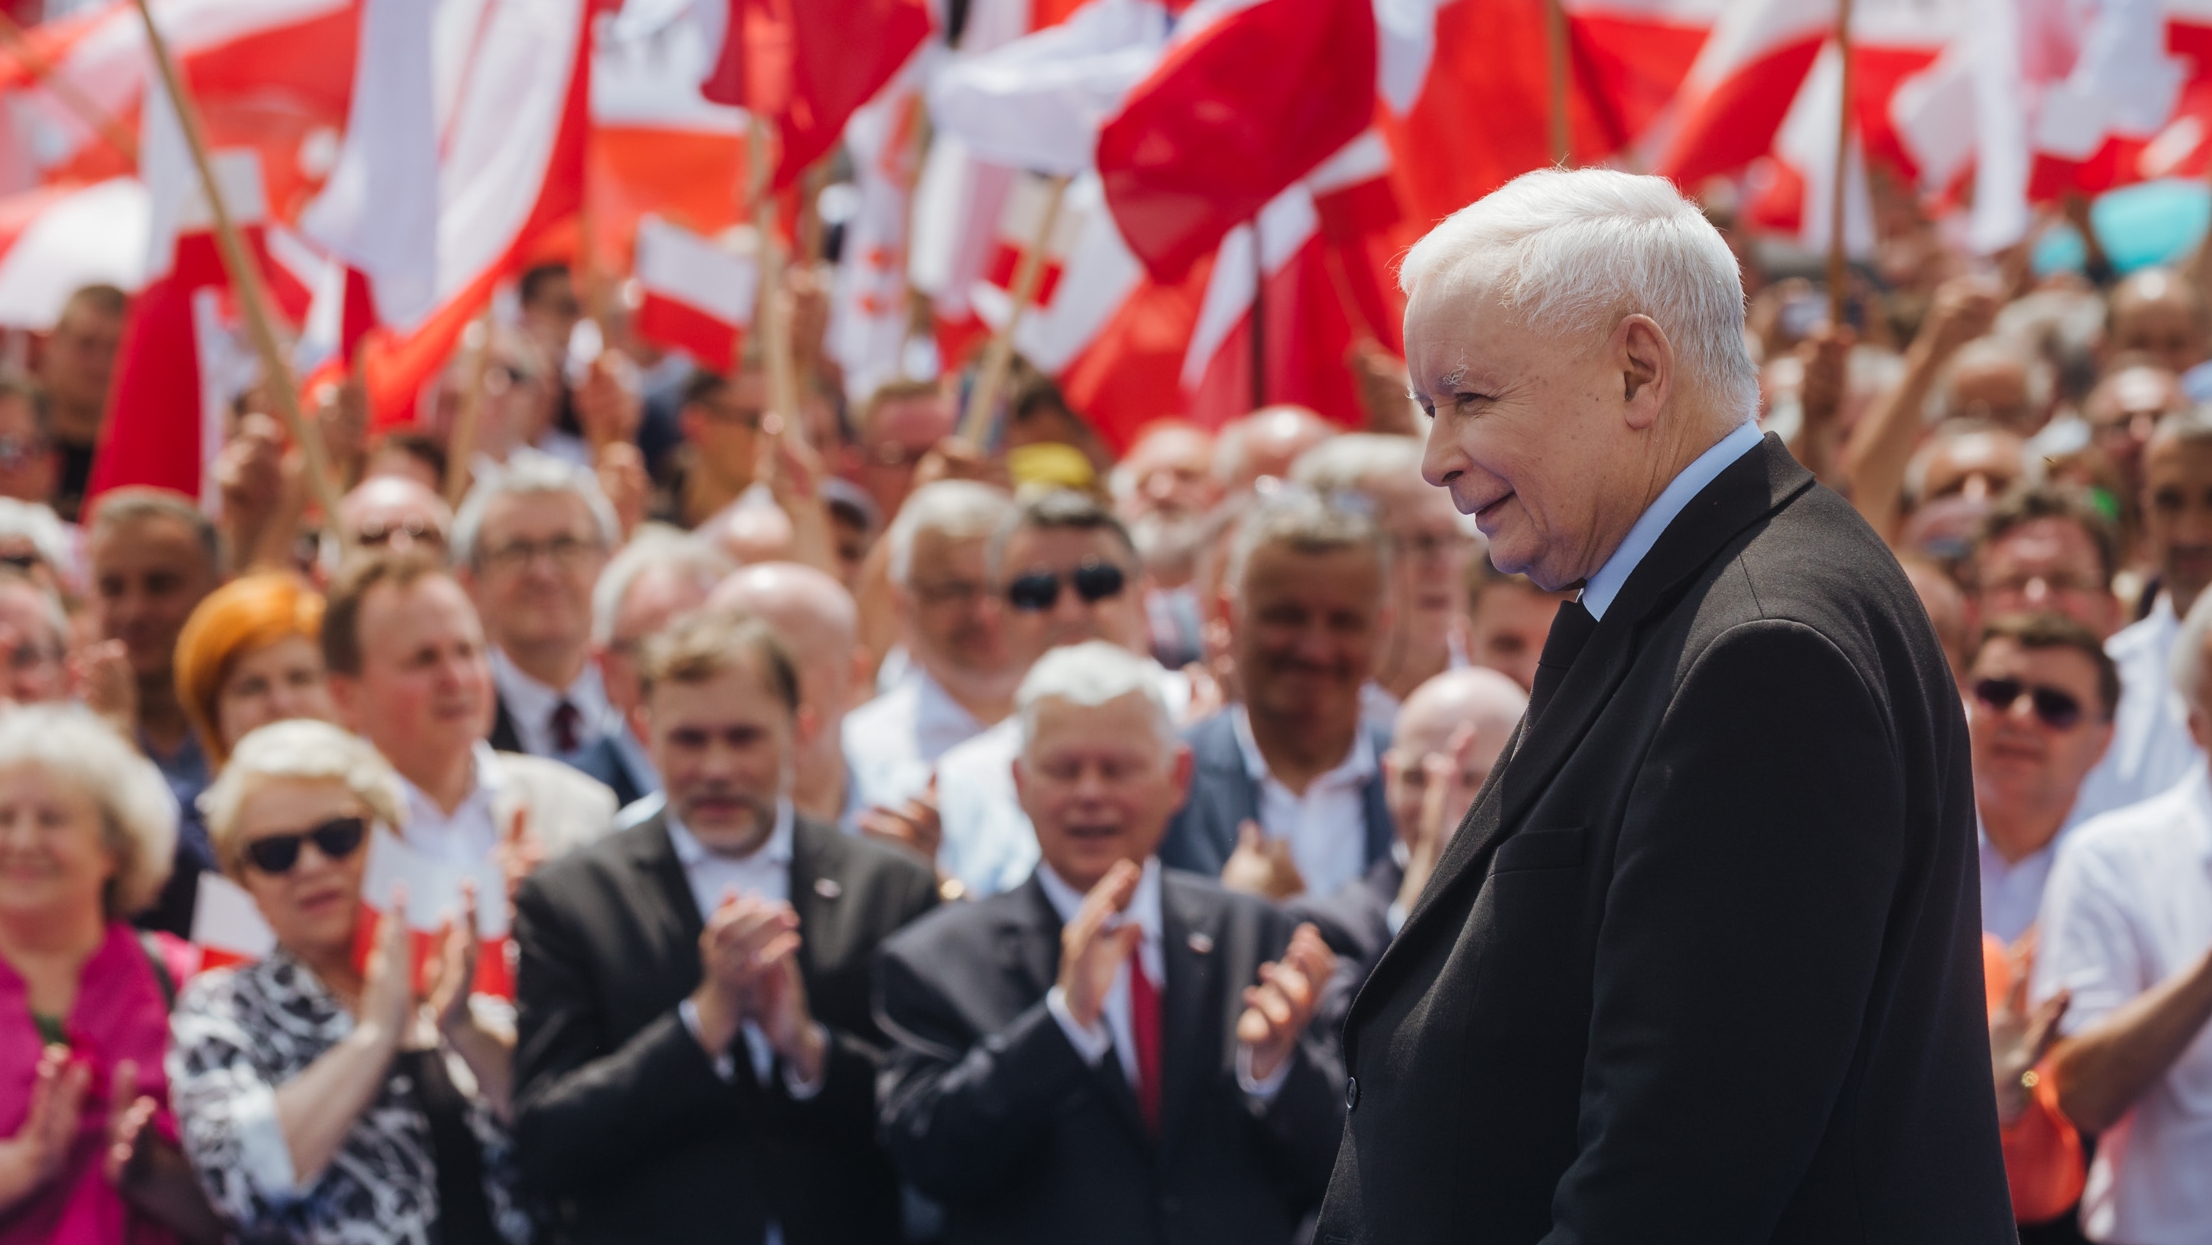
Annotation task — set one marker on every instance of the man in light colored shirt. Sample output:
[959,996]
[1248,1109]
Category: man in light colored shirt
[1114,1051]
[528,544]
[1069,572]
[1306,586]
[408,673]
[819,625]
[963,676]
[2152,748]
[2126,935]
[2040,694]
[696,1057]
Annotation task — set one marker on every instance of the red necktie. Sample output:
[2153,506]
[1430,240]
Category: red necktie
[1144,1031]
[568,724]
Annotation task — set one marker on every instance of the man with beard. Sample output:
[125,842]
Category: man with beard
[1164,492]
[696,1057]
[1287,786]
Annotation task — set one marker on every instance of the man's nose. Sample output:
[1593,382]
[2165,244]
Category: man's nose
[2036,590]
[1441,460]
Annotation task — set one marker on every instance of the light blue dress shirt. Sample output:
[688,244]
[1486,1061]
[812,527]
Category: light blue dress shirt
[1600,589]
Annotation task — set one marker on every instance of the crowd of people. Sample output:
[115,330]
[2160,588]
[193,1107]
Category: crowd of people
[882,835]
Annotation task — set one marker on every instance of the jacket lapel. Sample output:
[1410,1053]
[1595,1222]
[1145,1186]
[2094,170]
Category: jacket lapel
[1190,1011]
[1745,492]
[1381,831]
[816,896]
[1224,780]
[655,857]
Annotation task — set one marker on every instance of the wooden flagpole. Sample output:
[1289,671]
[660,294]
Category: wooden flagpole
[998,356]
[1838,271]
[461,438]
[72,97]
[768,310]
[245,279]
[1555,43]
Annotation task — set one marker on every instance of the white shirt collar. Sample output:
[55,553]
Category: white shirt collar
[1357,766]
[690,852]
[1144,906]
[1598,592]
[532,703]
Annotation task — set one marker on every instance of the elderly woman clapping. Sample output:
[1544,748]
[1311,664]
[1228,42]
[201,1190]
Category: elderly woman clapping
[322,1102]
[87,1151]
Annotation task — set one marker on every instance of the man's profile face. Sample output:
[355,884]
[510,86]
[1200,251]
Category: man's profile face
[149,573]
[724,747]
[2047,566]
[2177,515]
[2022,762]
[1099,785]
[1527,430]
[1305,628]
[951,606]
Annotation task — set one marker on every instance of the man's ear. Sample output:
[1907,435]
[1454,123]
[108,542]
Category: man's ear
[1645,360]
[345,696]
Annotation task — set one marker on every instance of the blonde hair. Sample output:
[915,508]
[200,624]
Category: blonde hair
[138,813]
[300,750]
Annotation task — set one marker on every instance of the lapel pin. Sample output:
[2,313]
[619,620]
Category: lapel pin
[828,888]
[1200,944]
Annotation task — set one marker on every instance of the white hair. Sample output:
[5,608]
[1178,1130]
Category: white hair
[528,472]
[298,749]
[1091,674]
[2187,664]
[655,547]
[1574,250]
[138,813]
[38,524]
[954,509]
[1358,461]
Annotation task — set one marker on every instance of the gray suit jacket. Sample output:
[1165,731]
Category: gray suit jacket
[1223,795]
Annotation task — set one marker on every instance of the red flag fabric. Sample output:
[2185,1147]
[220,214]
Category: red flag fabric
[1250,98]
[808,64]
[698,297]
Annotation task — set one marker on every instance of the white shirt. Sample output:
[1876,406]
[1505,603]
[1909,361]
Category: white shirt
[1327,826]
[2151,749]
[471,831]
[2129,905]
[2012,891]
[1600,589]
[893,741]
[988,842]
[1114,1032]
[532,704]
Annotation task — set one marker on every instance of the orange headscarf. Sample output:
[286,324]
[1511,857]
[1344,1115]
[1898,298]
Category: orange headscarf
[245,614]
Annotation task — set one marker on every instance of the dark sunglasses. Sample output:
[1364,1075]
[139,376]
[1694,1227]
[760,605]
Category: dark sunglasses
[2054,708]
[1040,590]
[336,839]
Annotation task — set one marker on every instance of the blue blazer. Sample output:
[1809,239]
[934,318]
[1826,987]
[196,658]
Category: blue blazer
[1223,795]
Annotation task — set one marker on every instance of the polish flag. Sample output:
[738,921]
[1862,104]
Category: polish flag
[698,295]
[1792,191]
[272,75]
[658,146]
[869,317]
[1742,85]
[433,891]
[227,926]
[806,65]
[55,240]
[1250,96]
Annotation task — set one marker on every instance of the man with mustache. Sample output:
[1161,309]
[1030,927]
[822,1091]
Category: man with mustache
[696,1058]
[1287,794]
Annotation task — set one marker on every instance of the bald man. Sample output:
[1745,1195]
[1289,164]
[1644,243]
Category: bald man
[815,618]
[396,513]
[2157,314]
[1264,444]
[1450,731]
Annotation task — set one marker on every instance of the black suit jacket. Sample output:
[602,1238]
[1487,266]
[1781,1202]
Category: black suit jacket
[1223,795]
[621,1123]
[990,1110]
[1702,964]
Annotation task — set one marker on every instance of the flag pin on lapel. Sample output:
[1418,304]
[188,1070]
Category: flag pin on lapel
[828,888]
[1200,944]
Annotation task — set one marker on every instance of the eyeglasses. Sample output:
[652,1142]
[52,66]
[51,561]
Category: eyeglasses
[567,552]
[2054,708]
[336,839]
[415,530]
[1039,591]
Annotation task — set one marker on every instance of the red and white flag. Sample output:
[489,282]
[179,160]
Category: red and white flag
[55,240]
[658,146]
[806,65]
[433,890]
[698,296]
[227,925]
[869,319]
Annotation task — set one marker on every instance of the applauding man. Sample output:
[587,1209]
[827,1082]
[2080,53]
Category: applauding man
[1109,1052]
[697,1061]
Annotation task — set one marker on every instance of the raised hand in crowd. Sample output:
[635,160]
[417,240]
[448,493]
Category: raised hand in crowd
[519,851]
[607,404]
[1441,770]
[1818,445]
[102,676]
[449,981]
[1092,950]
[1380,379]
[37,1151]
[915,824]
[1278,1008]
[620,466]
[2019,1036]
[1882,443]
[1262,866]
[343,417]
[262,483]
[793,471]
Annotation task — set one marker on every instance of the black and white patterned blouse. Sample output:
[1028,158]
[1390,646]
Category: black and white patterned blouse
[237,1035]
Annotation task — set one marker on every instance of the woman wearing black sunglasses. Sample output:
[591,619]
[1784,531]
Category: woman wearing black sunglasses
[323,1101]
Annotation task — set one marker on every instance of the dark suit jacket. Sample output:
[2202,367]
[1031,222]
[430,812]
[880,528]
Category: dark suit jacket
[991,1111]
[1223,795]
[1702,964]
[605,760]
[504,736]
[621,1123]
